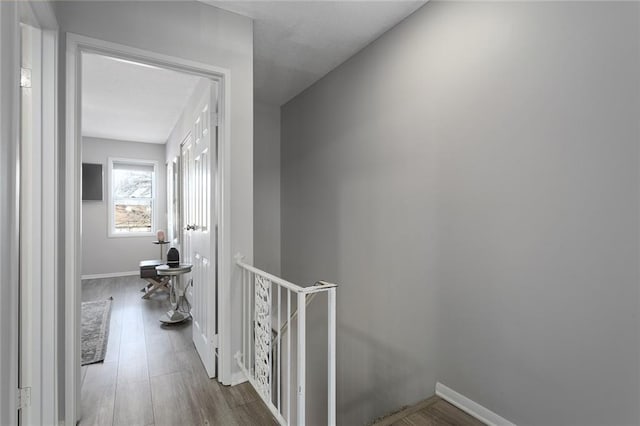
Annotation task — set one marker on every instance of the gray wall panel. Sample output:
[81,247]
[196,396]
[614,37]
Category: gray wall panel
[470,180]
[266,184]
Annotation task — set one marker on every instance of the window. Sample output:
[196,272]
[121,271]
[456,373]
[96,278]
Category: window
[132,197]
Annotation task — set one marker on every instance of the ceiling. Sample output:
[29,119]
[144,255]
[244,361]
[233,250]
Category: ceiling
[295,44]
[298,42]
[125,100]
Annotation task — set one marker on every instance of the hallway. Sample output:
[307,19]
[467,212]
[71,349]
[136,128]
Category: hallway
[152,374]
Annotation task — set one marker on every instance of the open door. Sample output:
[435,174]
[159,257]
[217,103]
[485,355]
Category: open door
[199,243]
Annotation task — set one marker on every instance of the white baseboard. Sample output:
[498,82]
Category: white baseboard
[109,275]
[471,407]
[237,378]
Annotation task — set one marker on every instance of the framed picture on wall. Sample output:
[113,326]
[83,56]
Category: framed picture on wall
[91,182]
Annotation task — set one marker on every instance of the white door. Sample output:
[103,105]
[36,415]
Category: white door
[199,161]
[186,168]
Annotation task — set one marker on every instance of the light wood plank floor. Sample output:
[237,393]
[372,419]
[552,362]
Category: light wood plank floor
[152,374]
[434,411]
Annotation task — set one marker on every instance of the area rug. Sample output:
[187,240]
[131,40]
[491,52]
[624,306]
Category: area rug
[96,317]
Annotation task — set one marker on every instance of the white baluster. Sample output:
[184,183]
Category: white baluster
[331,373]
[288,355]
[302,318]
[279,357]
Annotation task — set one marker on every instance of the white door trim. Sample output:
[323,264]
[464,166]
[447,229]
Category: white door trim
[38,189]
[76,45]
[50,221]
[31,228]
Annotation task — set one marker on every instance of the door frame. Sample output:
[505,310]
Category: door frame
[37,364]
[38,231]
[76,45]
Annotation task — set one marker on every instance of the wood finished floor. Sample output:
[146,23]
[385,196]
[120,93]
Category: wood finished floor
[434,411]
[152,374]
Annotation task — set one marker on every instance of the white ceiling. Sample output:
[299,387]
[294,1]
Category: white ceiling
[298,42]
[295,44]
[128,101]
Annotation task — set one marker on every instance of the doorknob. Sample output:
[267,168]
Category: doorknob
[191,227]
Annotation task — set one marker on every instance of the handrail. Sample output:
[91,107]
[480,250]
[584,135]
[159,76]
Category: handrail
[284,283]
[272,278]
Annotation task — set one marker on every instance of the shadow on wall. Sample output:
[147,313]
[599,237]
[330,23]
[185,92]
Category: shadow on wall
[376,381]
[386,370]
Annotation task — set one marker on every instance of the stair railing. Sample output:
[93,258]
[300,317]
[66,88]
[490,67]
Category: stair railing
[271,309]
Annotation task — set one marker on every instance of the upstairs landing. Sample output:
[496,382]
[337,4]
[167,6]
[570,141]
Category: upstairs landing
[433,411]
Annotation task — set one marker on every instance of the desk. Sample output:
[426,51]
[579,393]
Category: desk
[180,308]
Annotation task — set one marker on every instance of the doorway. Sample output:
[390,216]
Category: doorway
[141,215]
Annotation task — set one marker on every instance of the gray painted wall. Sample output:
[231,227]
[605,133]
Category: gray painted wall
[266,184]
[471,182]
[102,254]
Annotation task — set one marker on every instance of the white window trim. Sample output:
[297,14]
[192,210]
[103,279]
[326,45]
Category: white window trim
[154,198]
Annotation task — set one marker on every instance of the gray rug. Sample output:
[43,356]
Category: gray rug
[96,317]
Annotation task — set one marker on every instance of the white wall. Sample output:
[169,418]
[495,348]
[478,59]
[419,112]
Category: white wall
[266,184]
[470,180]
[102,254]
[193,31]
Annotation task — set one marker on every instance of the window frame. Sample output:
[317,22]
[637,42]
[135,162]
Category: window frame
[111,200]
